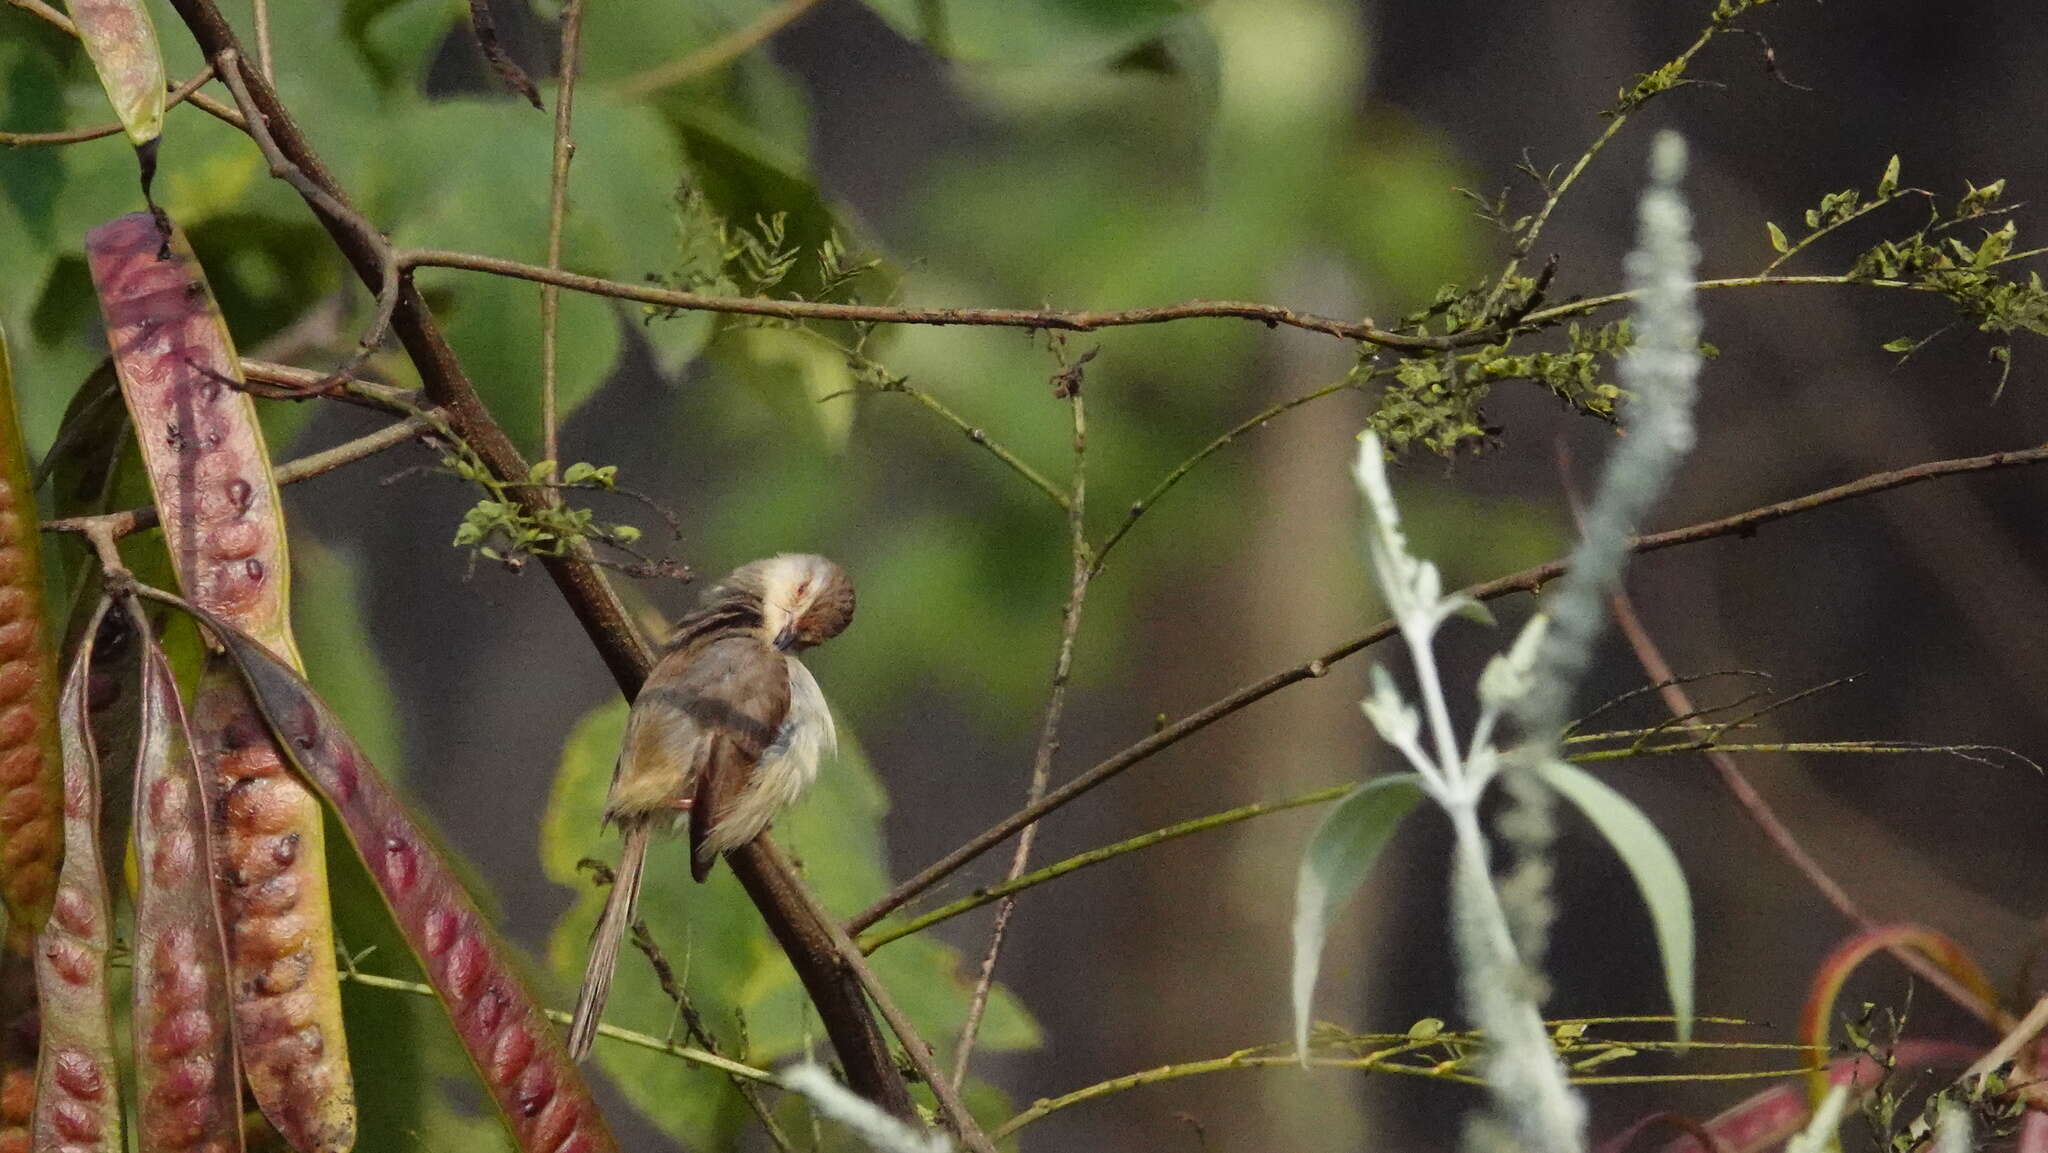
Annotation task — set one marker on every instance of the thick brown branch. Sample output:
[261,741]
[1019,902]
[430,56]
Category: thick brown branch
[1528,580]
[592,599]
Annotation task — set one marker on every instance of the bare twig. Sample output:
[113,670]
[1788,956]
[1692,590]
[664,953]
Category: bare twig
[1555,192]
[1144,504]
[178,95]
[693,1055]
[1528,580]
[872,941]
[120,524]
[693,1022]
[1752,802]
[978,435]
[1055,707]
[228,65]
[558,209]
[914,1046]
[47,14]
[1780,835]
[716,54]
[1268,314]
[264,60]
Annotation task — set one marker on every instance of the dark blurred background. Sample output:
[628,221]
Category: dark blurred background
[1305,153]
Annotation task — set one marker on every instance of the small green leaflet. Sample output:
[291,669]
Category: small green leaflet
[1655,869]
[1339,856]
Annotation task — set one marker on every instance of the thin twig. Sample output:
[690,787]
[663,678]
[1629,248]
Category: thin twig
[1555,193]
[228,64]
[1528,580]
[1774,828]
[693,1024]
[1804,242]
[264,60]
[178,95]
[1144,504]
[716,54]
[1679,702]
[872,941]
[558,209]
[120,524]
[914,1045]
[688,1053]
[1055,708]
[47,14]
[1268,314]
[875,939]
[978,435]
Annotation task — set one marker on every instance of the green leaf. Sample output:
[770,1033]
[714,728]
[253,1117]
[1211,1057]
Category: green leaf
[1653,865]
[1029,31]
[1889,182]
[714,937]
[1339,856]
[1778,240]
[1901,344]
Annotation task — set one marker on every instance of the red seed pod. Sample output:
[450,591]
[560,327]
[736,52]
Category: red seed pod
[188,1096]
[78,1101]
[540,1093]
[31,771]
[223,524]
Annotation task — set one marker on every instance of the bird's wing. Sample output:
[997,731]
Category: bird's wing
[738,694]
[694,701]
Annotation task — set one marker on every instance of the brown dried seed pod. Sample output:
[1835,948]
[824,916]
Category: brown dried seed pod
[540,1093]
[222,521]
[78,1102]
[188,1096]
[31,769]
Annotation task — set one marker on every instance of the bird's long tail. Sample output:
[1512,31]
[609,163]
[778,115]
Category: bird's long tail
[605,941]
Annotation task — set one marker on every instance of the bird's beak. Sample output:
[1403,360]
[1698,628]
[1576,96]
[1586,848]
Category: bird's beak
[786,639]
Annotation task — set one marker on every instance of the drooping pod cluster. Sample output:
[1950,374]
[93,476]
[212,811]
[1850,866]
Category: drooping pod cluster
[223,527]
[233,922]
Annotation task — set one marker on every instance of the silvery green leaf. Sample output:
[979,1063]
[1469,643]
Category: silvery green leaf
[877,1129]
[1471,610]
[1411,587]
[1395,719]
[1336,862]
[1653,865]
[1819,1134]
[1506,677]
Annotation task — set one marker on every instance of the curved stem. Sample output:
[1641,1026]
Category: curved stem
[1144,504]
[717,54]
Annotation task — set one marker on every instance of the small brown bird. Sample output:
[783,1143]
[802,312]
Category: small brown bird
[724,736]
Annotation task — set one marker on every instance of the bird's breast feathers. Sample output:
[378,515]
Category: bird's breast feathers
[787,766]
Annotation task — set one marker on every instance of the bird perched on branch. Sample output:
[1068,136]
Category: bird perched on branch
[725,734]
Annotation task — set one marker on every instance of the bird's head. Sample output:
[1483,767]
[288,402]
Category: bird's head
[805,599]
